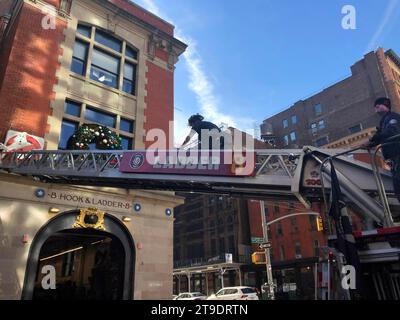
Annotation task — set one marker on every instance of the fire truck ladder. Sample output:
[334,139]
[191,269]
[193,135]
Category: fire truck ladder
[285,174]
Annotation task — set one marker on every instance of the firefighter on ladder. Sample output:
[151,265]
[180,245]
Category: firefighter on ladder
[389,127]
[206,128]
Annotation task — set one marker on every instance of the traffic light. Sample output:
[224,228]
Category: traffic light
[258,258]
[331,257]
[320,224]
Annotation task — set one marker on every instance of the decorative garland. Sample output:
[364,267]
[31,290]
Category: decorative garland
[102,136]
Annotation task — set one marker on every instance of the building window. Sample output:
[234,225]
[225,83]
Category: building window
[293,136]
[177,254]
[85,31]
[67,130]
[221,245]
[105,68]
[313,127]
[129,78]
[355,129]
[108,40]
[282,252]
[213,247]
[294,119]
[291,205]
[76,114]
[221,225]
[126,143]
[293,224]
[131,53]
[286,140]
[297,250]
[100,117]
[322,141]
[317,109]
[279,231]
[229,221]
[313,222]
[79,57]
[231,241]
[65,6]
[212,224]
[321,125]
[109,54]
[126,125]
[72,108]
[285,123]
[276,208]
[219,204]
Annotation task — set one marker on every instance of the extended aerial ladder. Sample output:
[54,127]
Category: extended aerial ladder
[302,174]
[285,174]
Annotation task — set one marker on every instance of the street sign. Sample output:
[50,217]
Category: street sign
[257,240]
[265,245]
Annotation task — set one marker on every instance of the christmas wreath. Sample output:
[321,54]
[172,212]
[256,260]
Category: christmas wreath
[87,134]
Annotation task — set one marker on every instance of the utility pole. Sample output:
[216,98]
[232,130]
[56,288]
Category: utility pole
[188,276]
[268,264]
[316,281]
[329,279]
[222,271]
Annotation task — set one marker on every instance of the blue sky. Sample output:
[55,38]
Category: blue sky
[248,60]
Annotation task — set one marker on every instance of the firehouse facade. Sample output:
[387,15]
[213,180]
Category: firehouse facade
[64,63]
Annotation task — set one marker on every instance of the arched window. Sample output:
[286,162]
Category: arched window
[104,58]
[77,113]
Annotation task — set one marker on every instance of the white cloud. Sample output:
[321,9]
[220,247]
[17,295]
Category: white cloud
[199,85]
[389,12]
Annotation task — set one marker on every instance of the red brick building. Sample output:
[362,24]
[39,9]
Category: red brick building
[64,63]
[35,65]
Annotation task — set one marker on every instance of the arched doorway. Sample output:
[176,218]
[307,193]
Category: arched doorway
[88,263]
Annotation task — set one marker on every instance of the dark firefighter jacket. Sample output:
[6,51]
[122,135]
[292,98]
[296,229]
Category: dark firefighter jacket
[389,126]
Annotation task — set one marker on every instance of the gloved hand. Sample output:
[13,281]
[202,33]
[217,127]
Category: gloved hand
[368,145]
[373,141]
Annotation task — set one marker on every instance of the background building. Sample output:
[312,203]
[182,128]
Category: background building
[64,63]
[341,110]
[207,228]
[212,236]
[340,116]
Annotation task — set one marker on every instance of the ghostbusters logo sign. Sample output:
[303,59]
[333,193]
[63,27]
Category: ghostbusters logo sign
[21,141]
